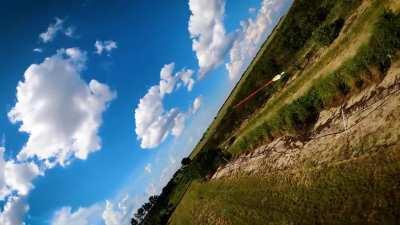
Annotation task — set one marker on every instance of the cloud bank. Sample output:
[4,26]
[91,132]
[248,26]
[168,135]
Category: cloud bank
[208,34]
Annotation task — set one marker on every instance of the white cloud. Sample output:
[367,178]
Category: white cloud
[147,168]
[207,30]
[60,111]
[252,34]
[14,211]
[4,190]
[179,124]
[99,213]
[120,213]
[54,28]
[153,123]
[111,216]
[252,10]
[39,50]
[196,104]
[186,78]
[70,32]
[19,176]
[105,46]
[167,80]
[83,216]
[16,177]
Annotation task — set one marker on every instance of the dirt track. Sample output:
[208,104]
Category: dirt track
[366,123]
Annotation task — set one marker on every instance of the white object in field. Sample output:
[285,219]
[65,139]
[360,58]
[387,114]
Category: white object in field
[278,77]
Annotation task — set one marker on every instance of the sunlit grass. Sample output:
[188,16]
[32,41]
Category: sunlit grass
[351,76]
[359,191]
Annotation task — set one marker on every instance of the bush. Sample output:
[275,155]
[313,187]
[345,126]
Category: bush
[327,33]
[186,161]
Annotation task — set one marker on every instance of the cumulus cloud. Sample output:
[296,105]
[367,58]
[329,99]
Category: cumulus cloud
[82,216]
[105,46]
[16,177]
[70,32]
[186,78]
[153,123]
[4,191]
[207,30]
[120,213]
[14,211]
[252,34]
[15,183]
[167,80]
[38,50]
[55,28]
[99,213]
[196,104]
[19,176]
[179,124]
[147,168]
[59,110]
[52,30]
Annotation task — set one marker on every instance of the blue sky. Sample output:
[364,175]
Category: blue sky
[101,101]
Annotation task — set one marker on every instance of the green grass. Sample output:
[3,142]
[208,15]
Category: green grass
[359,191]
[329,90]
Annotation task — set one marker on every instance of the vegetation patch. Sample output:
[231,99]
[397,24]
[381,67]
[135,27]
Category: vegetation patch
[361,191]
[331,90]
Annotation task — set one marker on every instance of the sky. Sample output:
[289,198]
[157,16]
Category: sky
[101,100]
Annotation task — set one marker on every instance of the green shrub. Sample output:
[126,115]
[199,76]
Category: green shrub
[327,33]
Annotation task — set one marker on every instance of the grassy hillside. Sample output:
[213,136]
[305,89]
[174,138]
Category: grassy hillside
[328,82]
[362,191]
[289,45]
[329,54]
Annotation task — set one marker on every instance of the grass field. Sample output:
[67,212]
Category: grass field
[361,191]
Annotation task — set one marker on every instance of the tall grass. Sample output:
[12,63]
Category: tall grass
[369,65]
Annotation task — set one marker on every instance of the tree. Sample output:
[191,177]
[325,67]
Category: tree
[327,33]
[147,206]
[140,214]
[153,199]
[186,161]
[134,222]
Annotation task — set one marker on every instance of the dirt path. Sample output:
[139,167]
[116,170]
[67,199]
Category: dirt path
[366,123]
